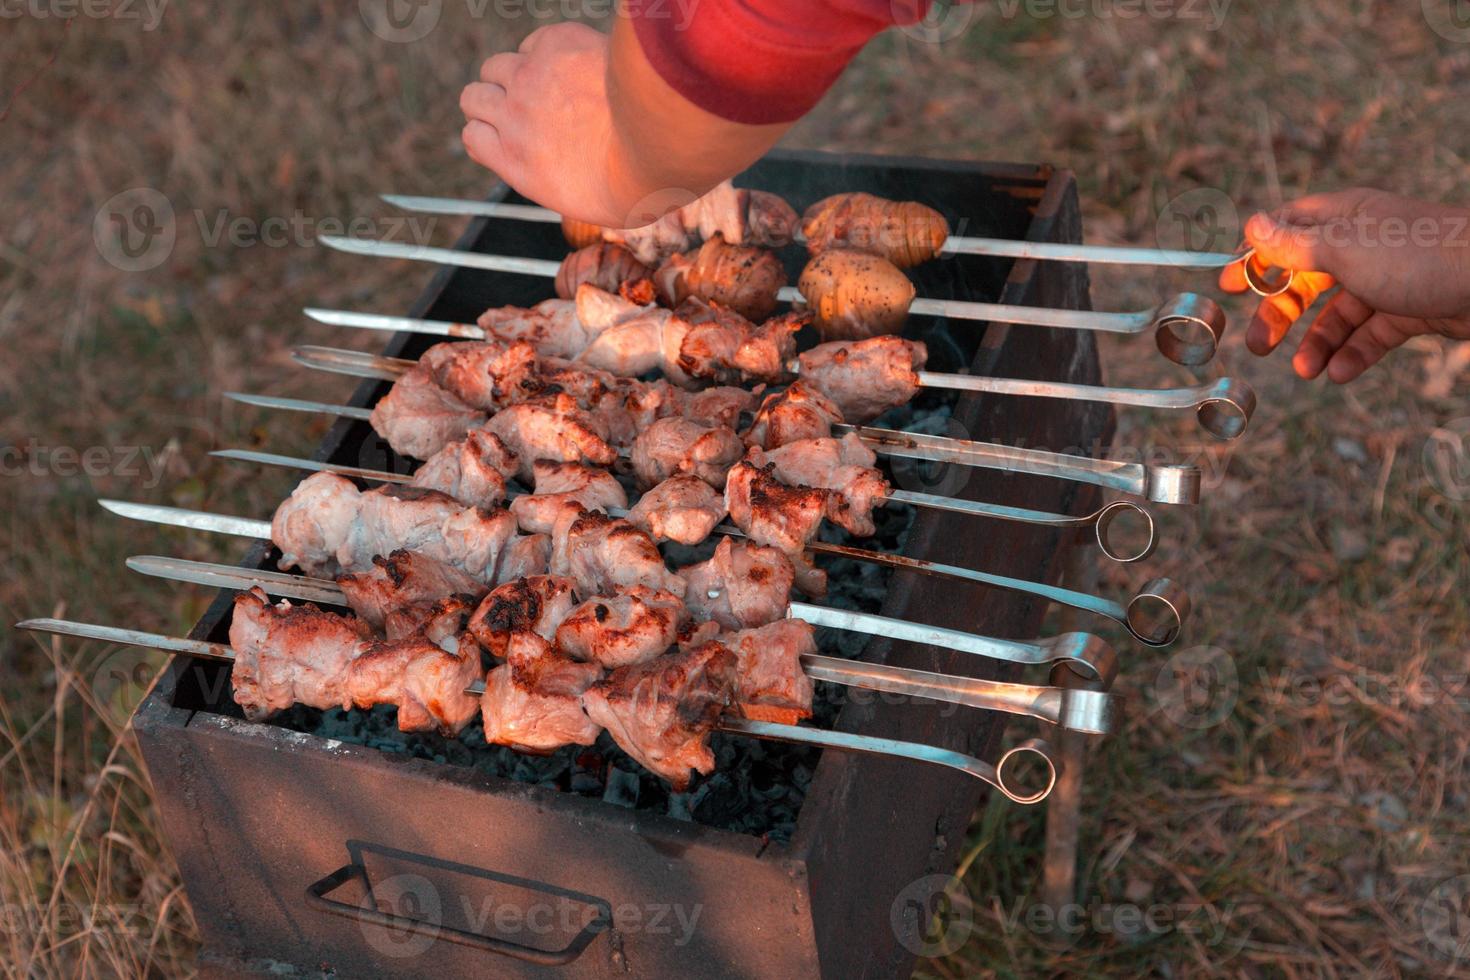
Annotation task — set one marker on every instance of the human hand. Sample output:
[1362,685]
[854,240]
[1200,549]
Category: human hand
[1403,265]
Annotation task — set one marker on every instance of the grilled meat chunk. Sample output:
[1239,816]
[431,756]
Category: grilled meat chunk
[715,406]
[799,412]
[535,604]
[287,654]
[716,345]
[844,466]
[487,375]
[741,216]
[426,682]
[527,554]
[533,703]
[865,378]
[631,347]
[557,430]
[661,712]
[403,578]
[563,486]
[781,516]
[674,446]
[472,470]
[551,326]
[682,508]
[419,417]
[771,684]
[313,524]
[604,265]
[741,586]
[604,554]
[635,625]
[743,277]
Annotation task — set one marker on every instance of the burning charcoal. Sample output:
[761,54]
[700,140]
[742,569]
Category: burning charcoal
[622,787]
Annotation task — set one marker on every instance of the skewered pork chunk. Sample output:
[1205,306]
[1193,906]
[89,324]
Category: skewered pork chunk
[865,378]
[287,654]
[472,470]
[486,375]
[906,233]
[636,625]
[674,446]
[556,430]
[682,508]
[716,406]
[744,217]
[604,265]
[706,343]
[551,326]
[560,486]
[441,621]
[770,682]
[742,277]
[532,702]
[741,586]
[844,466]
[535,604]
[425,681]
[853,295]
[799,412]
[661,712]
[604,555]
[403,578]
[630,347]
[527,554]
[314,522]
[418,417]
[784,517]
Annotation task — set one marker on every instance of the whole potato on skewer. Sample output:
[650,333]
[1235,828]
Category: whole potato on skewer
[855,295]
[906,233]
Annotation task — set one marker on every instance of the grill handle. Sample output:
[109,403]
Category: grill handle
[316,898]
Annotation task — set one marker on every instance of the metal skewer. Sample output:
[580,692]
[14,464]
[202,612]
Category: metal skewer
[1187,328]
[1223,407]
[1094,712]
[1161,484]
[995,775]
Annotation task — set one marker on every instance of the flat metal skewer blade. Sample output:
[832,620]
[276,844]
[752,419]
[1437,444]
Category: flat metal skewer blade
[443,256]
[313,465]
[394,324]
[132,638]
[195,520]
[298,405]
[234,577]
[474,209]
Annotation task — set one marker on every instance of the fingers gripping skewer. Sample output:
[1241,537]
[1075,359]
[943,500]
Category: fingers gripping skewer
[1161,484]
[1095,712]
[1154,616]
[1187,328]
[1001,775]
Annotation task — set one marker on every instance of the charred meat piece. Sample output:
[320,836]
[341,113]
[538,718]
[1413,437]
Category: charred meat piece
[844,466]
[287,654]
[472,471]
[403,578]
[557,430]
[906,233]
[536,604]
[635,625]
[745,278]
[560,486]
[425,681]
[771,684]
[799,412]
[742,586]
[678,446]
[419,417]
[716,345]
[313,524]
[744,217]
[487,375]
[604,265]
[441,621]
[661,712]
[532,702]
[682,508]
[784,517]
[604,554]
[865,378]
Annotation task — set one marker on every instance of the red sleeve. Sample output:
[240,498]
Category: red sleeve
[760,61]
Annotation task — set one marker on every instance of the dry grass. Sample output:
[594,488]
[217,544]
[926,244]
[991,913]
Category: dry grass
[1313,828]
